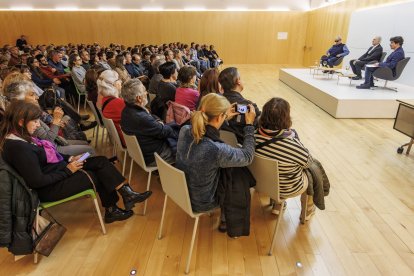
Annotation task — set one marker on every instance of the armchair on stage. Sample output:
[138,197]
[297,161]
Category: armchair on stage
[386,74]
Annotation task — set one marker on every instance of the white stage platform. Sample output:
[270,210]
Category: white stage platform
[344,100]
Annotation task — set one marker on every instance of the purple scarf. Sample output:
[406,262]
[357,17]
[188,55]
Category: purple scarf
[52,156]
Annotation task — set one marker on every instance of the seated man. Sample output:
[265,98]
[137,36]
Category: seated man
[55,62]
[337,51]
[373,54]
[151,132]
[232,85]
[391,62]
[78,73]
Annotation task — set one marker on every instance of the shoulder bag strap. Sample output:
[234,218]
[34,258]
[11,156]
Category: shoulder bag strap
[263,144]
[107,102]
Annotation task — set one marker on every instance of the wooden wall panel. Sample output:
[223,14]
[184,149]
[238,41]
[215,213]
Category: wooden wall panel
[326,23]
[240,37]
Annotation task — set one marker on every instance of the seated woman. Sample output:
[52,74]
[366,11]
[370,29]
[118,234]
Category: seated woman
[54,176]
[186,94]
[50,125]
[199,146]
[166,89]
[109,87]
[178,59]
[209,83]
[275,139]
[156,78]
[120,68]
[151,132]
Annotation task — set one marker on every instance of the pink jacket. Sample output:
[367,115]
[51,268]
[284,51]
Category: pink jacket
[177,113]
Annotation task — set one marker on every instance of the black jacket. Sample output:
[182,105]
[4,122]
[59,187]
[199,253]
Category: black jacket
[151,133]
[238,123]
[375,55]
[18,206]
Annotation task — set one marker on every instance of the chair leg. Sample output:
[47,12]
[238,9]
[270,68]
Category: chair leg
[124,163]
[98,211]
[187,267]
[36,255]
[162,217]
[97,135]
[279,219]
[148,185]
[78,102]
[84,104]
[130,171]
[304,207]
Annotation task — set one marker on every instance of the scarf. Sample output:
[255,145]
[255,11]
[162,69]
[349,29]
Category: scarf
[52,156]
[213,133]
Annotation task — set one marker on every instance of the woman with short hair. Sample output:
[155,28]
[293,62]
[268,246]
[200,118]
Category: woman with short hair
[186,94]
[276,139]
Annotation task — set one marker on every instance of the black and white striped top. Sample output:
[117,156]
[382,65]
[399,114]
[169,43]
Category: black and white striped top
[292,157]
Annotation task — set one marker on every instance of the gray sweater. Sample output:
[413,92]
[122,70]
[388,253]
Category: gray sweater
[78,77]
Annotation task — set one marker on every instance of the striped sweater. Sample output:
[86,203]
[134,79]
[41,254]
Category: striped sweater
[292,157]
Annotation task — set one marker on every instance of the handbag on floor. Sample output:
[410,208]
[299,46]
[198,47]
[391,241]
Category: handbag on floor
[48,234]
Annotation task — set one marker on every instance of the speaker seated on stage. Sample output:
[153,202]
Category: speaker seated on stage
[334,53]
[372,55]
[390,62]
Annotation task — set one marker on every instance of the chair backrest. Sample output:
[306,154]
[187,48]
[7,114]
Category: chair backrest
[151,97]
[113,133]
[95,113]
[400,67]
[174,184]
[338,61]
[384,54]
[134,150]
[229,138]
[266,173]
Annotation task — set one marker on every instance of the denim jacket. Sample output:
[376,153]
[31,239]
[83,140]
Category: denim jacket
[201,163]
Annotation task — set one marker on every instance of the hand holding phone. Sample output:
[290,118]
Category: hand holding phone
[84,157]
[242,108]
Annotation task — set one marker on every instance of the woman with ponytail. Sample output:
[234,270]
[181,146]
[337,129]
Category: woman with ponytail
[201,153]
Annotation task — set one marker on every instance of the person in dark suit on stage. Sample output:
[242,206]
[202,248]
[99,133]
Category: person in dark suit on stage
[373,54]
[337,51]
[391,62]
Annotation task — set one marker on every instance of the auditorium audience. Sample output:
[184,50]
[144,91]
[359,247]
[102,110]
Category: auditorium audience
[21,42]
[84,55]
[78,72]
[276,139]
[14,56]
[152,134]
[120,68]
[55,176]
[233,86]
[397,55]
[337,51]
[156,78]
[209,83]
[178,60]
[102,60]
[372,55]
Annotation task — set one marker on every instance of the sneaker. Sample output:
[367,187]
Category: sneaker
[275,208]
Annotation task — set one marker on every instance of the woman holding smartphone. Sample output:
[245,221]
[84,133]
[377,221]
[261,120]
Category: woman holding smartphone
[56,176]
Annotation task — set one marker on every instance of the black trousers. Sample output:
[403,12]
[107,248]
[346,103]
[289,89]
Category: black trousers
[105,176]
[357,67]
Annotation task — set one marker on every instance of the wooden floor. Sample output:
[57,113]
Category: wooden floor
[367,228]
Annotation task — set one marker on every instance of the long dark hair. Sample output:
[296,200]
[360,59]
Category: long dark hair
[209,82]
[18,110]
[276,115]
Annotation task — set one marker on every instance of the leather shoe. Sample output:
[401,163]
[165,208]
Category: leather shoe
[85,117]
[131,197]
[222,227]
[85,125]
[356,78]
[116,214]
[363,86]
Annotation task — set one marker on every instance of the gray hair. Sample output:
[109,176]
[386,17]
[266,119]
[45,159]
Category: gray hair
[378,38]
[106,82]
[17,90]
[131,90]
[157,64]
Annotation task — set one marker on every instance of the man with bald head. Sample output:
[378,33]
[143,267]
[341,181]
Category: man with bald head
[372,55]
[334,53]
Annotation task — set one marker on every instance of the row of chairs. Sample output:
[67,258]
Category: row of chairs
[174,183]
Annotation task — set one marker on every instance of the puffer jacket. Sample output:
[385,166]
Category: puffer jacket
[18,205]
[177,113]
[319,184]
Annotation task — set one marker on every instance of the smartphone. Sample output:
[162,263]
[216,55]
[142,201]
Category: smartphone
[242,108]
[84,156]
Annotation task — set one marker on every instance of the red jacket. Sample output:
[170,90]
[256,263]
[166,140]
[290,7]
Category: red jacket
[113,111]
[47,70]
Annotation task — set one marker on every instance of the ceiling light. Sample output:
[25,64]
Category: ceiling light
[66,8]
[237,8]
[109,8]
[21,8]
[195,8]
[152,8]
[278,9]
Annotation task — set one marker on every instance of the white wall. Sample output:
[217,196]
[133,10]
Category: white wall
[385,21]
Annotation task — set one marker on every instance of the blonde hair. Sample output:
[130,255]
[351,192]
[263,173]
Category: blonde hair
[106,83]
[211,106]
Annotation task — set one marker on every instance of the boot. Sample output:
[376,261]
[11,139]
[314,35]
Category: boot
[84,117]
[116,214]
[130,197]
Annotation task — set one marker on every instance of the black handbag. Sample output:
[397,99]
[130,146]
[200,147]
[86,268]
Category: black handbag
[49,237]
